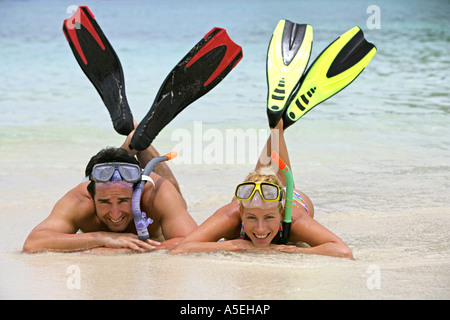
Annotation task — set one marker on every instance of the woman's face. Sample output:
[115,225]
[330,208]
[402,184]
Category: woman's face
[261,225]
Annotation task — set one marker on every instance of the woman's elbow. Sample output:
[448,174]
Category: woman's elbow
[180,248]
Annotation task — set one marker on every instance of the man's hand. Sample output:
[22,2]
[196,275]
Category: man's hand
[127,240]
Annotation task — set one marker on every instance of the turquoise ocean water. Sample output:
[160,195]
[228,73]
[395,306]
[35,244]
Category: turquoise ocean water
[374,159]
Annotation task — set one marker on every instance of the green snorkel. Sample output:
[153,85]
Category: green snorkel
[289,196]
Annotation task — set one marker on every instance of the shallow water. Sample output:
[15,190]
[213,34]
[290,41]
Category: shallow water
[374,159]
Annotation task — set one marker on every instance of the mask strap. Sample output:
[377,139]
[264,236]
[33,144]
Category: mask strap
[147,178]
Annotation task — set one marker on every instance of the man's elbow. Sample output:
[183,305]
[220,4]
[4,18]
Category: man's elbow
[346,252]
[29,247]
[32,246]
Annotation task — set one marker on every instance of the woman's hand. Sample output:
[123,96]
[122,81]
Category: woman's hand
[241,245]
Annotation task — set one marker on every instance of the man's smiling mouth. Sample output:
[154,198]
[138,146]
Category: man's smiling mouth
[118,220]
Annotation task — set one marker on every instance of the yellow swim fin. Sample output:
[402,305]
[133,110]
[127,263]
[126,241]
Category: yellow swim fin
[334,69]
[287,57]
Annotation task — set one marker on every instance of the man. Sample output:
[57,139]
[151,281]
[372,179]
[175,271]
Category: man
[102,211]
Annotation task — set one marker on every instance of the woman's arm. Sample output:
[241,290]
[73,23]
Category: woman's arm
[222,224]
[321,240]
[228,245]
[327,249]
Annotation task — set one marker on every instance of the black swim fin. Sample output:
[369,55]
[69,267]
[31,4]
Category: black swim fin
[100,63]
[334,69]
[198,72]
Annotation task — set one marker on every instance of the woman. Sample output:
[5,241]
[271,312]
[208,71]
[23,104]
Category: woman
[254,221]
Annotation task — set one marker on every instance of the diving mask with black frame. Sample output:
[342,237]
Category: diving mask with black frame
[258,194]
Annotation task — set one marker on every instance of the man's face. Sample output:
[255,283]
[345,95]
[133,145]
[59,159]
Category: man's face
[113,204]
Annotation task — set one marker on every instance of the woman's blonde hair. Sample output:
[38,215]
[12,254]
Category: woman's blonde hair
[266,174]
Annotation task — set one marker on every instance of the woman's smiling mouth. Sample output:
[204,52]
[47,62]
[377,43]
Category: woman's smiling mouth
[261,236]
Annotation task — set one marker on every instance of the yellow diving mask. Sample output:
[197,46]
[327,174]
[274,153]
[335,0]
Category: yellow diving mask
[267,196]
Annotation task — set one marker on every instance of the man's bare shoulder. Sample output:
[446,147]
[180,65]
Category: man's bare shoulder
[79,196]
[155,188]
[76,204]
[71,212]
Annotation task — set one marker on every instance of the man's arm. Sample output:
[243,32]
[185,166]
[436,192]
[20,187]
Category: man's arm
[175,221]
[58,232]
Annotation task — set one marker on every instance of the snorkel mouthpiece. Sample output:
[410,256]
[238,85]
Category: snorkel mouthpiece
[140,218]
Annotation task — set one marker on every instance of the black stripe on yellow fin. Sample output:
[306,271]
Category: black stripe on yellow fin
[287,57]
